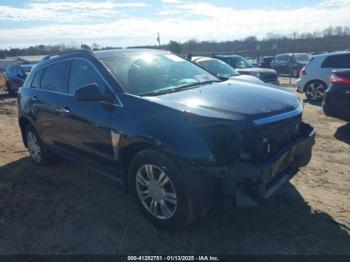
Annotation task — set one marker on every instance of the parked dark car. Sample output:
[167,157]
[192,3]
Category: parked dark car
[222,69]
[337,97]
[245,68]
[290,64]
[15,76]
[265,62]
[175,135]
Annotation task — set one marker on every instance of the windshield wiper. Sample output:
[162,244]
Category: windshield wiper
[195,84]
[160,91]
[172,89]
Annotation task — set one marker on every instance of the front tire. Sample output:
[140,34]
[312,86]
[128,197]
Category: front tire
[315,90]
[36,148]
[160,189]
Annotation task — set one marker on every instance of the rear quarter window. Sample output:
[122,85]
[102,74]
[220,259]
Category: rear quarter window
[337,61]
[36,79]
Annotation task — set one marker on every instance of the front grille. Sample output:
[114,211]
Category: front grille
[254,144]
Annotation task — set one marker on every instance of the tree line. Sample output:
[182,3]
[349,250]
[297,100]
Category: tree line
[48,49]
[327,40]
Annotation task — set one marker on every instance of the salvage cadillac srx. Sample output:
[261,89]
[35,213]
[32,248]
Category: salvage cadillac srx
[175,135]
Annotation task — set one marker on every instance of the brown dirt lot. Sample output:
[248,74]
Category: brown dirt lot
[68,209]
[2,81]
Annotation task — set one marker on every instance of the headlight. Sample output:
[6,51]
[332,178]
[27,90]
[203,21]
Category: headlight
[224,137]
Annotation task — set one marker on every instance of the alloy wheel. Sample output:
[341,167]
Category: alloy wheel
[315,91]
[34,146]
[156,191]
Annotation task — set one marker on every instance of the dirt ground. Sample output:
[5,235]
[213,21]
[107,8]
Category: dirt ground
[68,209]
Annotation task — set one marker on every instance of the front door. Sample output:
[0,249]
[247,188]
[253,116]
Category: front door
[90,122]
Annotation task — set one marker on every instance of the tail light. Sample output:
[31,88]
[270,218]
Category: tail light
[303,71]
[339,79]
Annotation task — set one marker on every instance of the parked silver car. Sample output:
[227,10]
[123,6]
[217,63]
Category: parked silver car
[315,76]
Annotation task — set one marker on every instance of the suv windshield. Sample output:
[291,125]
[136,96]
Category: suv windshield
[218,67]
[238,62]
[153,74]
[303,58]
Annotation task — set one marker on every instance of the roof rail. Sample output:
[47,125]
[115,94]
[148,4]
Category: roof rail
[77,51]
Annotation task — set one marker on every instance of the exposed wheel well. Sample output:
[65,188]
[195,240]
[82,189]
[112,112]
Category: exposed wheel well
[127,156]
[23,124]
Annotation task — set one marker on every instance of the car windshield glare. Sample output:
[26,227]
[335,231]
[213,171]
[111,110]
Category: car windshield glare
[302,57]
[218,67]
[147,73]
[239,62]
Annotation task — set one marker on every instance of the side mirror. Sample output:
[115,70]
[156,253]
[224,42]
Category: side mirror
[222,78]
[91,92]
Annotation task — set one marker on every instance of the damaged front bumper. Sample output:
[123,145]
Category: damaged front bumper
[248,182]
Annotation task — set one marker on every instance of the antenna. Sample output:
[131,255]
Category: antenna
[158,39]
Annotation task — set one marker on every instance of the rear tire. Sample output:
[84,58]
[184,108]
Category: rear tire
[37,150]
[160,189]
[9,89]
[315,90]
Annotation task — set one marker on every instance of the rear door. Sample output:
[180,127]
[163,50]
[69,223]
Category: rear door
[49,95]
[276,64]
[284,64]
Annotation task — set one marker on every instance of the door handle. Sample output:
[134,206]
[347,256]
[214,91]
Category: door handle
[35,98]
[62,111]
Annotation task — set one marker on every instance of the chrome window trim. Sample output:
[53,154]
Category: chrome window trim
[279,117]
[89,62]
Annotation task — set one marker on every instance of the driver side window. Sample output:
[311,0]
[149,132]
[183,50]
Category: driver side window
[83,73]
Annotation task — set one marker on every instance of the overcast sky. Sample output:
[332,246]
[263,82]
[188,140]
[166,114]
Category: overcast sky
[125,23]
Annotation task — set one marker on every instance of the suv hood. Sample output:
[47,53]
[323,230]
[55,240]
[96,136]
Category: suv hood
[236,100]
[248,78]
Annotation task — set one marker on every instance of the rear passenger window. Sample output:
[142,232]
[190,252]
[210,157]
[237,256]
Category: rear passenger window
[278,58]
[54,77]
[36,79]
[337,61]
[83,73]
[284,58]
[10,71]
